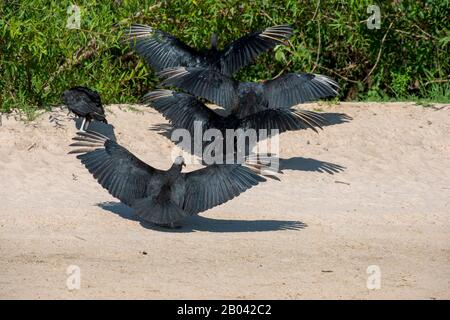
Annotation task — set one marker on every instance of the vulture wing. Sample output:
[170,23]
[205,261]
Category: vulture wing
[181,109]
[216,184]
[283,120]
[126,177]
[93,95]
[294,88]
[205,83]
[83,102]
[114,167]
[243,51]
[159,49]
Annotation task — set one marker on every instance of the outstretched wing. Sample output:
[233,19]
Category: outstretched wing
[114,167]
[181,109]
[294,88]
[283,120]
[244,50]
[205,83]
[159,49]
[216,184]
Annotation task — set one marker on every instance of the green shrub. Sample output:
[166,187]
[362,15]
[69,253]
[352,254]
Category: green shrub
[400,82]
[40,57]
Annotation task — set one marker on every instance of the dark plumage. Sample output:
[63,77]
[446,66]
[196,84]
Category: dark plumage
[246,98]
[84,103]
[182,109]
[158,196]
[162,50]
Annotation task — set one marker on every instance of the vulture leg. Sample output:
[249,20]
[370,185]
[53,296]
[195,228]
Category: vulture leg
[82,125]
[88,122]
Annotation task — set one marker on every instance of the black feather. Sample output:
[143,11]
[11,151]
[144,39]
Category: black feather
[162,50]
[246,98]
[157,196]
[85,103]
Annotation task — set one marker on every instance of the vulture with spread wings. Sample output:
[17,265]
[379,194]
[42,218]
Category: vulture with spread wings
[246,98]
[182,110]
[163,197]
[162,50]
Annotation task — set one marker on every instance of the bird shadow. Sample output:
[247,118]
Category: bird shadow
[333,118]
[308,164]
[199,223]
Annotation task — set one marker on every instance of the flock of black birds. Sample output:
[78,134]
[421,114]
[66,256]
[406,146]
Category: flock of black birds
[167,197]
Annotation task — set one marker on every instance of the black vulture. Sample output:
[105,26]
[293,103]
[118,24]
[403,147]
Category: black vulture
[185,111]
[182,110]
[85,103]
[246,98]
[163,197]
[162,50]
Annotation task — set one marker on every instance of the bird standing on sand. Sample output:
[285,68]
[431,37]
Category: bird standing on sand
[163,197]
[85,103]
[162,50]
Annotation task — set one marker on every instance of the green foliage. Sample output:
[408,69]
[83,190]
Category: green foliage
[40,57]
[400,82]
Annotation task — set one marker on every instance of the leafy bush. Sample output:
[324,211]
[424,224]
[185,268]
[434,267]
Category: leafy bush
[400,82]
[406,57]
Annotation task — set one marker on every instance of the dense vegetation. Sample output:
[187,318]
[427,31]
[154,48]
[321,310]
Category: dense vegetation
[407,58]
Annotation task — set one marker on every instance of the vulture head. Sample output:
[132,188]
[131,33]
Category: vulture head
[179,161]
[213,41]
[66,97]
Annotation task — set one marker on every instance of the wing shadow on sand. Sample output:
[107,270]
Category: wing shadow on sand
[199,223]
[333,118]
[308,164]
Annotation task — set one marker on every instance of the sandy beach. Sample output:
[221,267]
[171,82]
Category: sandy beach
[373,190]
